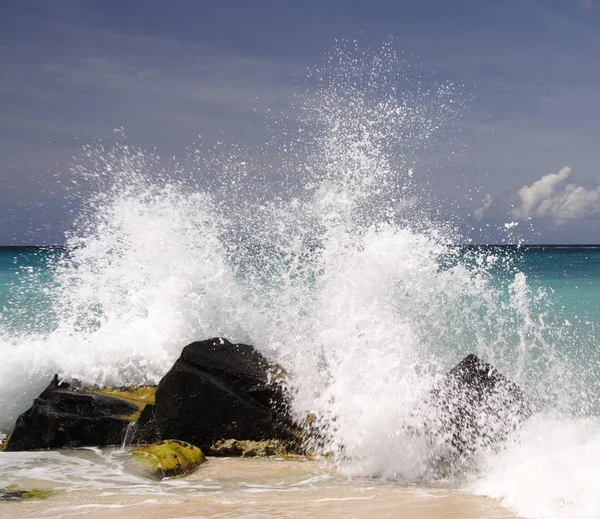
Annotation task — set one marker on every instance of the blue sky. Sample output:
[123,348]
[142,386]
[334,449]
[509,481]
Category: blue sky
[73,71]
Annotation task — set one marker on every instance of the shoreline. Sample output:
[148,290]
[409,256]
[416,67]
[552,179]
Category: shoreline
[259,487]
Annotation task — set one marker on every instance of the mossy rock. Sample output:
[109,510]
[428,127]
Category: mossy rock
[13,493]
[168,458]
[141,396]
[252,449]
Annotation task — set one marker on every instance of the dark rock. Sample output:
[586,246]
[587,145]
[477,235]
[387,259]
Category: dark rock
[146,430]
[474,407]
[63,417]
[252,449]
[218,390]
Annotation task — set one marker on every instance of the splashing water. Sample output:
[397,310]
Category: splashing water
[341,277]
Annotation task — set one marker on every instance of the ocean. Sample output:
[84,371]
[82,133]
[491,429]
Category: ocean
[548,301]
[338,273]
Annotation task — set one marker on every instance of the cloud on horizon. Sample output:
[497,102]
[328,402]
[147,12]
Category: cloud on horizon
[551,199]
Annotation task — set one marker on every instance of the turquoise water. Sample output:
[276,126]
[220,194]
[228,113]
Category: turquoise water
[569,274]
[26,282]
[145,302]
[563,292]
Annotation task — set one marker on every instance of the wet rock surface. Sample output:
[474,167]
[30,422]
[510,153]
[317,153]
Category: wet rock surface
[252,449]
[217,390]
[474,407]
[225,399]
[66,417]
[168,458]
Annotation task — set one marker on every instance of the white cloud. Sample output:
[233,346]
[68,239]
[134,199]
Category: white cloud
[551,197]
[533,196]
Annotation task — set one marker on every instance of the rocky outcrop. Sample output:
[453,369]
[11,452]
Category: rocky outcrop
[216,390]
[252,449]
[168,458]
[66,417]
[225,398]
[473,407]
[219,390]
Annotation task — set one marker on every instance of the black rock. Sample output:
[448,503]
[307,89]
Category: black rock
[146,430]
[474,407]
[218,390]
[61,417]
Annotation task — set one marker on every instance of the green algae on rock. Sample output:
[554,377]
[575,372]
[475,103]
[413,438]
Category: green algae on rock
[13,493]
[250,448]
[168,458]
[141,396]
[68,416]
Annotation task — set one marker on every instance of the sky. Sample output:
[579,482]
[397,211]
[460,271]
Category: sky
[526,162]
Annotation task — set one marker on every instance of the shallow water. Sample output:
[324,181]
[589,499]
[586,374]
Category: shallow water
[89,486]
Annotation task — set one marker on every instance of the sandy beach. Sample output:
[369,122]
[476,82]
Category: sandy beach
[248,488]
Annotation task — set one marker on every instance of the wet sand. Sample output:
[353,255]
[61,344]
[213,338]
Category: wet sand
[258,488]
